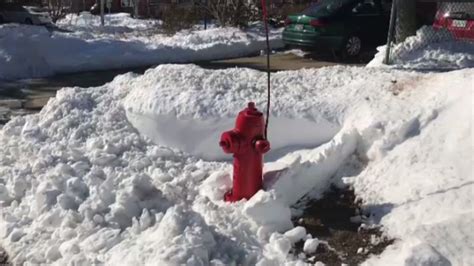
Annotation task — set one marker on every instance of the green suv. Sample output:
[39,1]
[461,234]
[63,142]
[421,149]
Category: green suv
[346,27]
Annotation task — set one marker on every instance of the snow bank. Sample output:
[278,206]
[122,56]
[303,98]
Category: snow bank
[18,61]
[193,119]
[430,49]
[79,184]
[31,51]
[297,178]
[425,180]
[114,23]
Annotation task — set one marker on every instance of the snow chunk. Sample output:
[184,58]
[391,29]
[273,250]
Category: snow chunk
[296,234]
[16,234]
[216,185]
[280,243]
[265,210]
[310,245]
[181,237]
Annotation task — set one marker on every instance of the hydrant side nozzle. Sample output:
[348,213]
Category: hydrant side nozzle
[224,145]
[229,142]
[262,146]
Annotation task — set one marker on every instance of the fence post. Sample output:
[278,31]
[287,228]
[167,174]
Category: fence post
[391,28]
[205,15]
[102,4]
[406,20]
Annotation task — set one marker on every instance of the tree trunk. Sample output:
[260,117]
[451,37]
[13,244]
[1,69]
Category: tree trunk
[406,20]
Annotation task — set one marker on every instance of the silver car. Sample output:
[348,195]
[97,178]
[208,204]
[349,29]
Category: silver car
[24,14]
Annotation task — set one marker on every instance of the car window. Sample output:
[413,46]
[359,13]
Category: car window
[457,10]
[12,7]
[326,7]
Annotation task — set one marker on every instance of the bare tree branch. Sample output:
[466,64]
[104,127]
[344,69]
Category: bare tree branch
[56,9]
[229,12]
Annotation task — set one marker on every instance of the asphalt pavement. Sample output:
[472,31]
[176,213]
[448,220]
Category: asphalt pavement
[280,62]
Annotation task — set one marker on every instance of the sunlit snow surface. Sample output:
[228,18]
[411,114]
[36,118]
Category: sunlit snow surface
[429,49]
[33,51]
[81,183]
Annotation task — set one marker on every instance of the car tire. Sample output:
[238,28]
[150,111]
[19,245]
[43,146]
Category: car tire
[28,21]
[352,47]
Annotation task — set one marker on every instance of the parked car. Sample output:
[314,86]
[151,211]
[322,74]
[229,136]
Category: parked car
[23,14]
[458,18]
[346,27]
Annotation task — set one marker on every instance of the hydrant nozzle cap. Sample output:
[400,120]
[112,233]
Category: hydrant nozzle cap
[229,142]
[262,146]
[224,144]
[252,110]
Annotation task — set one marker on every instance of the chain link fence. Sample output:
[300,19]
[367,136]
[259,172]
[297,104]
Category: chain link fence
[428,26]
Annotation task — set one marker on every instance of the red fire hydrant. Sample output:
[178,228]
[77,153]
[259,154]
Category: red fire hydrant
[246,141]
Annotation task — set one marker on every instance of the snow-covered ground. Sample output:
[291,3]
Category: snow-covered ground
[81,182]
[430,49]
[32,51]
[113,23]
[119,23]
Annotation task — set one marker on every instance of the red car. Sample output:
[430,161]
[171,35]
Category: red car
[458,18]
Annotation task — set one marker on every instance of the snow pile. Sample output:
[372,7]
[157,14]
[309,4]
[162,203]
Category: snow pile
[120,26]
[429,49]
[119,22]
[79,184]
[18,61]
[423,186]
[30,51]
[310,245]
[212,99]
[296,52]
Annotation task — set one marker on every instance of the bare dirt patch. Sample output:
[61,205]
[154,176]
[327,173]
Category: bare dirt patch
[3,257]
[338,220]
